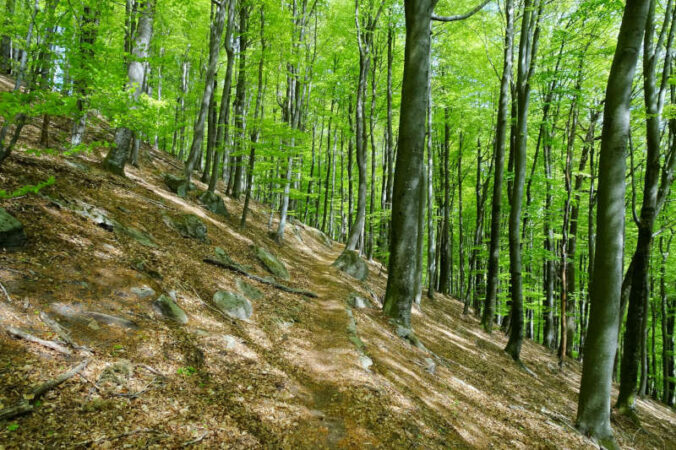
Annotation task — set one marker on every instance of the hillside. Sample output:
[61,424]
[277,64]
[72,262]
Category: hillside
[298,374]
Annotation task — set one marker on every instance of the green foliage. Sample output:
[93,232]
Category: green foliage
[28,189]
[186,371]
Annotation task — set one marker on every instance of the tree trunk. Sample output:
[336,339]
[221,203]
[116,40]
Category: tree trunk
[214,49]
[527,51]
[118,154]
[667,311]
[650,209]
[257,120]
[6,41]
[445,257]
[500,138]
[431,243]
[403,277]
[88,33]
[593,415]
[240,103]
[224,111]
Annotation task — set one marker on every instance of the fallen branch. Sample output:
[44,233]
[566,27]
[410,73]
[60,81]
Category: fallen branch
[30,338]
[63,333]
[6,293]
[26,405]
[151,370]
[240,270]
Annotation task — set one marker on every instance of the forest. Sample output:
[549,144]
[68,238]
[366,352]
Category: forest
[485,186]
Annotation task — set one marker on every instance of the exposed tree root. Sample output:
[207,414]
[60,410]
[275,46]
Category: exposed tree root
[240,270]
[15,332]
[63,333]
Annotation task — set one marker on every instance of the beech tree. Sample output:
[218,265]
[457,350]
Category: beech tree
[593,414]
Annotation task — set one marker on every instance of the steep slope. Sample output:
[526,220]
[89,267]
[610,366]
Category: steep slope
[297,374]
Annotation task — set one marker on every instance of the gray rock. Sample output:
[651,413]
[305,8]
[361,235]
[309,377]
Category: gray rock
[248,290]
[111,320]
[95,214]
[323,238]
[358,343]
[233,305]
[12,235]
[350,263]
[143,291]
[170,309]
[139,236]
[430,365]
[409,335]
[272,264]
[76,312]
[178,185]
[189,226]
[222,256]
[365,362]
[214,203]
[351,323]
[358,302]
[77,165]
[230,342]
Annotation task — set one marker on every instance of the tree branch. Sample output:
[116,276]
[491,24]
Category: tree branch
[460,16]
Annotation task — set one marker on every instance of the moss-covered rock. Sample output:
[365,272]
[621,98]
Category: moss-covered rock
[12,235]
[214,203]
[350,263]
[189,226]
[168,307]
[323,238]
[139,236]
[178,185]
[272,264]
[248,290]
[356,301]
[222,256]
[233,305]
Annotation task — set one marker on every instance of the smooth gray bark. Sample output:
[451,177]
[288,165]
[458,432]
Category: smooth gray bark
[118,154]
[593,414]
[500,140]
[216,32]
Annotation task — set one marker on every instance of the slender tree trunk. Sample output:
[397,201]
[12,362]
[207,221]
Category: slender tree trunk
[117,156]
[527,52]
[20,119]
[6,40]
[431,238]
[593,414]
[257,120]
[365,42]
[240,102]
[211,137]
[445,257]
[500,139]
[88,33]
[214,50]
[667,311]
[638,297]
[222,130]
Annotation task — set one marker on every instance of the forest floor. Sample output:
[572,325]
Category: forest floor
[289,377]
